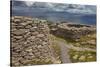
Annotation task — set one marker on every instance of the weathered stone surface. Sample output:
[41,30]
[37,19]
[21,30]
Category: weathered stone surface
[73,31]
[75,57]
[31,37]
[18,37]
[33,29]
[28,26]
[17,20]
[26,23]
[40,35]
[29,41]
[82,58]
[35,33]
[20,32]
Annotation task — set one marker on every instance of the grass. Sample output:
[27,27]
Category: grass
[77,56]
[67,40]
[57,51]
[82,56]
[55,47]
[55,38]
[85,39]
[88,37]
[78,43]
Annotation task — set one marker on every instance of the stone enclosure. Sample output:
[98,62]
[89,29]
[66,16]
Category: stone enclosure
[29,41]
[71,31]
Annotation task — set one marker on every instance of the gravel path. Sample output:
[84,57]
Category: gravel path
[65,48]
[64,53]
[65,58]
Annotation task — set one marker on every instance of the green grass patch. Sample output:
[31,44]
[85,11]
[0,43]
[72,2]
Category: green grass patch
[82,56]
[78,43]
[57,50]
[54,45]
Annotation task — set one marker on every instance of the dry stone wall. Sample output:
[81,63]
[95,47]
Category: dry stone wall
[29,41]
[71,31]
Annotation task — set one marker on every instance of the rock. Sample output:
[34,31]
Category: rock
[18,37]
[38,54]
[44,43]
[93,42]
[82,58]
[18,27]
[77,44]
[28,19]
[47,60]
[28,26]
[83,43]
[89,54]
[17,21]
[31,54]
[33,29]
[26,23]
[20,31]
[15,44]
[29,50]
[40,35]
[75,57]
[16,63]
[31,37]
[25,62]
[35,33]
[28,57]
[90,57]
[27,35]
[39,46]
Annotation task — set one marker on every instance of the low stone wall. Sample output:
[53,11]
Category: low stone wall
[29,41]
[72,31]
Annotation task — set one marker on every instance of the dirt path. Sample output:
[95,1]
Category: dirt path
[65,58]
[64,53]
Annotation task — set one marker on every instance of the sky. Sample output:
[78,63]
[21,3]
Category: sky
[71,8]
[91,2]
[78,13]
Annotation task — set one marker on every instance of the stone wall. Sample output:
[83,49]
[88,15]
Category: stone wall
[29,41]
[71,31]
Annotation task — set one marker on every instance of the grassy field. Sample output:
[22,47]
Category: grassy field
[82,56]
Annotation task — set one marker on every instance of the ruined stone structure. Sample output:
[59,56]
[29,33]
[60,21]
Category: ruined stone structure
[72,31]
[29,41]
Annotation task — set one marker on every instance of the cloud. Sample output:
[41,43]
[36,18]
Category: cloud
[60,7]
[29,3]
[83,9]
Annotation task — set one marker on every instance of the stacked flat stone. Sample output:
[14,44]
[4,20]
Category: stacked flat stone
[73,31]
[29,41]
